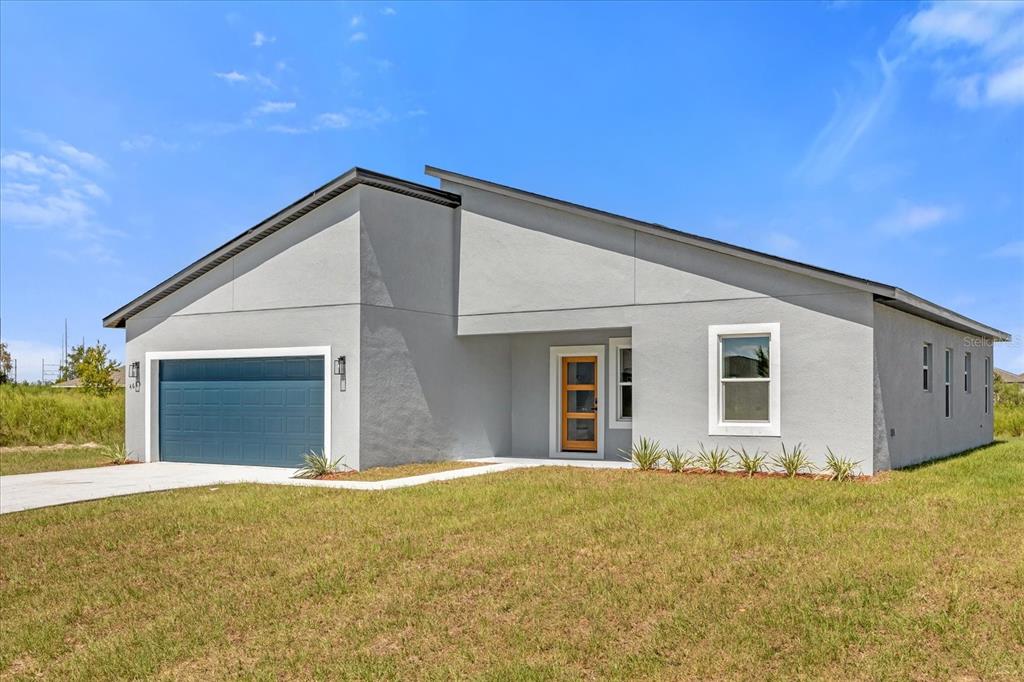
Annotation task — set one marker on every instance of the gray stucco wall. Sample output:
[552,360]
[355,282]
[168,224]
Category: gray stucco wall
[299,287]
[917,416]
[426,394]
[528,269]
[531,406]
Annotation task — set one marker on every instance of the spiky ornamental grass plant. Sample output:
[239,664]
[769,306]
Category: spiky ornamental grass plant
[678,460]
[317,464]
[840,468]
[750,463]
[646,454]
[117,454]
[713,460]
[793,461]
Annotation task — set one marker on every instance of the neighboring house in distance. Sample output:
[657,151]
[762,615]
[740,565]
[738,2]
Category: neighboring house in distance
[389,322]
[1009,377]
[117,375]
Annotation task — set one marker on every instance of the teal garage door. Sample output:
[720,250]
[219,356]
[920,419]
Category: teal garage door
[255,411]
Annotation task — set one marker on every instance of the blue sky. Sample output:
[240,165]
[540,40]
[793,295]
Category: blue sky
[885,140]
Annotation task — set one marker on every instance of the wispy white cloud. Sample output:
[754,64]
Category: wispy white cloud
[1013,249]
[141,143]
[389,11]
[70,153]
[344,119]
[259,39]
[255,78]
[975,48]
[358,37]
[266,107]
[383,65]
[231,76]
[333,121]
[356,20]
[852,118]
[911,218]
[40,192]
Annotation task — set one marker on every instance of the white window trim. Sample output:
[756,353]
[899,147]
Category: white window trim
[968,383]
[988,383]
[152,379]
[926,367]
[614,345]
[947,383]
[555,401]
[773,427]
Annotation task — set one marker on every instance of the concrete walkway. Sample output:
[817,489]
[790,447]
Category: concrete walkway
[50,488]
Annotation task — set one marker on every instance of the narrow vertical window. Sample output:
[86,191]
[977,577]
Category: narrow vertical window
[967,372]
[621,383]
[988,383]
[948,380]
[926,367]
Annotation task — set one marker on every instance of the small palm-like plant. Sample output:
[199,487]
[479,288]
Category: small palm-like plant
[646,454]
[793,461]
[678,460]
[317,464]
[750,463]
[117,454]
[714,460]
[840,468]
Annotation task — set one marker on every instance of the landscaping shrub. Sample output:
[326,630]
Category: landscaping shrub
[840,468]
[678,460]
[646,454]
[42,415]
[750,463]
[793,461]
[117,454]
[317,464]
[714,460]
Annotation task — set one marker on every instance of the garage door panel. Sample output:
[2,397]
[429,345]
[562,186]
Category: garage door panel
[257,411]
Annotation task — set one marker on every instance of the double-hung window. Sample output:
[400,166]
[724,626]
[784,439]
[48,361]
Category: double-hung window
[949,381]
[744,382]
[620,383]
[926,368]
[967,372]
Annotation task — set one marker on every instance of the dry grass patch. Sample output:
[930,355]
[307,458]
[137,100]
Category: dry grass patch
[530,574]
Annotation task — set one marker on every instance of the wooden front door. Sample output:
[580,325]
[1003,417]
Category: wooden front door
[579,403]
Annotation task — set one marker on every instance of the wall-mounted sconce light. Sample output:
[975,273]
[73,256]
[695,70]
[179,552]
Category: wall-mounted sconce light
[339,369]
[133,374]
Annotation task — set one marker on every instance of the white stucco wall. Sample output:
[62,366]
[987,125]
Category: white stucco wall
[910,422]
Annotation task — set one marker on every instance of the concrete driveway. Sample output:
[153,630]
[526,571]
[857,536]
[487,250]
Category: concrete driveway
[51,488]
[29,491]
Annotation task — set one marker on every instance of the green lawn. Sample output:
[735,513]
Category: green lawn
[31,461]
[530,574]
[403,470]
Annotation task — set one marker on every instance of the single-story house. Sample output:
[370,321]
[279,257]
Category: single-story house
[117,375]
[388,321]
[1009,377]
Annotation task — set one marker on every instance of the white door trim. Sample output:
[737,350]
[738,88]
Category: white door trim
[555,401]
[151,381]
